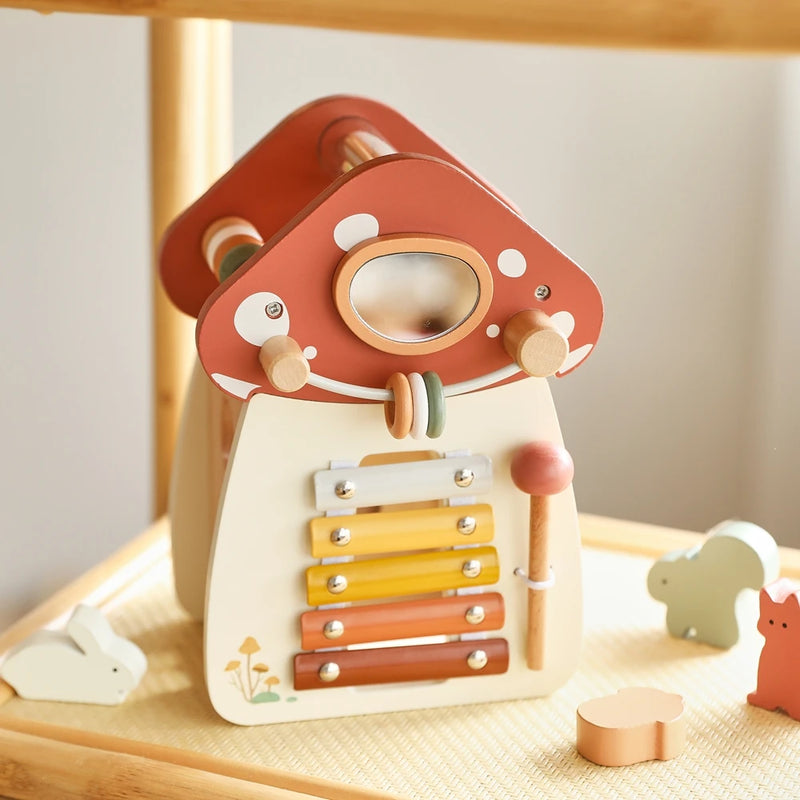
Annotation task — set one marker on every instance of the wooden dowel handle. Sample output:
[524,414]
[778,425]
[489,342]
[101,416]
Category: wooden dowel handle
[535,343]
[538,570]
[540,469]
[284,364]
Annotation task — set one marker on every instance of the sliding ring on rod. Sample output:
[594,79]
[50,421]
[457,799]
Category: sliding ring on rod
[399,410]
[436,409]
[419,394]
[227,243]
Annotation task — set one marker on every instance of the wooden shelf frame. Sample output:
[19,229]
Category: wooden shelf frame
[715,25]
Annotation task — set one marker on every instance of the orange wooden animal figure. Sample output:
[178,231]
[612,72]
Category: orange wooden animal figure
[778,681]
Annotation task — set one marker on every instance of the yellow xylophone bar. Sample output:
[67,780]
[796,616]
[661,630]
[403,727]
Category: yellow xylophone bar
[395,531]
[420,573]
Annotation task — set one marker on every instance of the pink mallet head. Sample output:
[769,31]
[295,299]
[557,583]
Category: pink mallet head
[542,468]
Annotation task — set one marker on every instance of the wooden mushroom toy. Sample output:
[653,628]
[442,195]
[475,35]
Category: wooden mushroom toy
[539,469]
[635,724]
[537,345]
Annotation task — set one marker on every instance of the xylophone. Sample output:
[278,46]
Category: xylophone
[370,465]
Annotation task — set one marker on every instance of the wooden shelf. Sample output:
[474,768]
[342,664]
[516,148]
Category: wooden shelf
[714,25]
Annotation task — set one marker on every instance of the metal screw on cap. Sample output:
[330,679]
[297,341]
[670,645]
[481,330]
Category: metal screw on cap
[274,310]
[333,629]
[475,615]
[329,672]
[337,584]
[464,477]
[542,292]
[471,568]
[477,659]
[345,490]
[466,525]
[340,536]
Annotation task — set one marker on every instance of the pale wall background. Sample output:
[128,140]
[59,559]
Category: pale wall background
[673,179]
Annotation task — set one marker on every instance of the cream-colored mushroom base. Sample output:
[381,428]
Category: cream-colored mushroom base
[261,550]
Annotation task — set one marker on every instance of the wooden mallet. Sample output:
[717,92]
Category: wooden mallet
[539,469]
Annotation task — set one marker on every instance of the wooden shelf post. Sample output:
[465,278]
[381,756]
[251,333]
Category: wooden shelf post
[191,145]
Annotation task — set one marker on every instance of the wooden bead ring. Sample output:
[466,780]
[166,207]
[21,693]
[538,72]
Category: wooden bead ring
[399,411]
[436,409]
[222,238]
[419,394]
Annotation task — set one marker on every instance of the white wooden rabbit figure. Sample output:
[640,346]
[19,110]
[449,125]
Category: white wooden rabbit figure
[86,663]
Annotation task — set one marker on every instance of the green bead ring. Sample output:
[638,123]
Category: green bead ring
[436,408]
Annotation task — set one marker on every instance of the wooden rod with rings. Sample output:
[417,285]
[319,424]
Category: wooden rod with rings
[417,405]
[227,244]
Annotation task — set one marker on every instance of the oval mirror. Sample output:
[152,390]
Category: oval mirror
[414,297]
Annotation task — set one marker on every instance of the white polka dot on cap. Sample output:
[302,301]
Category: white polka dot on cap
[512,263]
[564,321]
[355,229]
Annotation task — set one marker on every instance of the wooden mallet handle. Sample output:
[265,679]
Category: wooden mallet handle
[539,469]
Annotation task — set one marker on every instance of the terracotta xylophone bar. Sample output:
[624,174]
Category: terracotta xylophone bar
[427,662]
[342,627]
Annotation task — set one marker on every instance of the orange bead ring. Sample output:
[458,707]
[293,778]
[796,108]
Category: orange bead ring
[399,411]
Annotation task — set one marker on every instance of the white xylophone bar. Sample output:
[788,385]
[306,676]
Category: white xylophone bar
[406,482]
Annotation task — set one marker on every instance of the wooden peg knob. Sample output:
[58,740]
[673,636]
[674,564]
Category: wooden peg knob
[535,343]
[284,364]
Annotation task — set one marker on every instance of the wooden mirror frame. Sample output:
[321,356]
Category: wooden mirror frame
[394,244]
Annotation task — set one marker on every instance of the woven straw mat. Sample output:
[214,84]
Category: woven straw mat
[507,750]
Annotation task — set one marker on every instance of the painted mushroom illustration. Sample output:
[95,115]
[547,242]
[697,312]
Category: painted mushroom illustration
[249,677]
